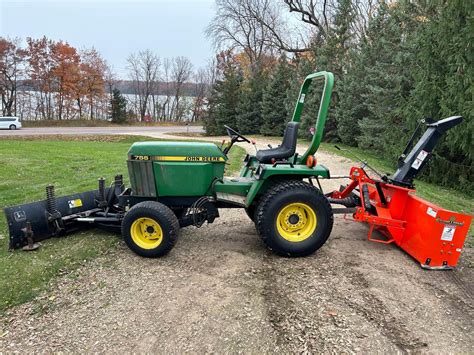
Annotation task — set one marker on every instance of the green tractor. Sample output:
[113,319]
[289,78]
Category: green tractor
[179,184]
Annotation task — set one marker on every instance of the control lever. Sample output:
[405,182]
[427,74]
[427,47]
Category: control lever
[254,143]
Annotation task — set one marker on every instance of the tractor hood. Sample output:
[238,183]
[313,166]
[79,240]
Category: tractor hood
[176,151]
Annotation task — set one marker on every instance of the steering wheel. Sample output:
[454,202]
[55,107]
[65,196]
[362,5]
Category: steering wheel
[236,136]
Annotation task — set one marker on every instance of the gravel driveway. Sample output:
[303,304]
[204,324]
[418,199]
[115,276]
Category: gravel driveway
[220,290]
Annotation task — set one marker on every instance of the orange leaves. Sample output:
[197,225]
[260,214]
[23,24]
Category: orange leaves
[92,72]
[60,70]
[65,69]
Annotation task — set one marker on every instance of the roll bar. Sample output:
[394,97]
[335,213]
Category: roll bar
[323,108]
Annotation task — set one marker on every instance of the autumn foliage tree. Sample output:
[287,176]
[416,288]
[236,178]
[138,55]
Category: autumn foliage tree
[64,79]
[12,58]
[65,73]
[92,69]
[40,68]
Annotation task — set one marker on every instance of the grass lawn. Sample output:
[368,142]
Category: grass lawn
[72,165]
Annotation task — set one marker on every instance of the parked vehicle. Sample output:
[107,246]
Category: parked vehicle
[10,123]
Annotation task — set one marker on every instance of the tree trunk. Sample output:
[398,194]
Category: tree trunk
[79,105]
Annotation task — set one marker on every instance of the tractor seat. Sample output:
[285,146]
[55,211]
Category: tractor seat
[285,150]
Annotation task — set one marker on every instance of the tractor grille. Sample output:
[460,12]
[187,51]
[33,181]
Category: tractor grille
[142,178]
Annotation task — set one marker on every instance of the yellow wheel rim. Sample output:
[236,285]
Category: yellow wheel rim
[296,222]
[146,233]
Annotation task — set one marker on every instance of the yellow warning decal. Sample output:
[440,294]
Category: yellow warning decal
[190,159]
[75,203]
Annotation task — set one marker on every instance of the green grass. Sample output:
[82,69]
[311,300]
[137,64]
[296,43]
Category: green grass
[27,166]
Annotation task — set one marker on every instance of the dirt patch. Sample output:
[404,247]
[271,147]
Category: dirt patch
[220,290]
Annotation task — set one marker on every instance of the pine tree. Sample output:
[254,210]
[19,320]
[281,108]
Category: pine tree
[304,66]
[223,101]
[386,84]
[249,110]
[333,56]
[274,109]
[352,106]
[119,107]
[443,88]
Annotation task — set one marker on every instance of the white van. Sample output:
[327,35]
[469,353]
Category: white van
[10,122]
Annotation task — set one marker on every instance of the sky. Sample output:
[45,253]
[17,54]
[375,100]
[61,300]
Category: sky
[115,28]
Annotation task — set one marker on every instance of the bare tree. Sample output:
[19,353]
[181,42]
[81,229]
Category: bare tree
[258,26]
[144,71]
[180,74]
[201,80]
[364,10]
[242,24]
[166,106]
[110,82]
[212,72]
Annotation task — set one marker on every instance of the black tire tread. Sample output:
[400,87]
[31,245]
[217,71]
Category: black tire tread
[251,211]
[167,214]
[279,188]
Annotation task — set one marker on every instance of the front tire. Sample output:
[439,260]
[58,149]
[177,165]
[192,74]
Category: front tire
[150,229]
[12,127]
[294,218]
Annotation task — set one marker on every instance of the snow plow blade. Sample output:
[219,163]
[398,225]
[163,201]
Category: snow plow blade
[54,217]
[45,223]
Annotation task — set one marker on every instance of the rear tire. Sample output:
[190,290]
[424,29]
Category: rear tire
[150,229]
[12,127]
[294,218]
[251,211]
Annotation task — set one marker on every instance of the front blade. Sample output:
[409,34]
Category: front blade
[36,214]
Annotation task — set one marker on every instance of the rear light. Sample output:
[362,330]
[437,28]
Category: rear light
[311,161]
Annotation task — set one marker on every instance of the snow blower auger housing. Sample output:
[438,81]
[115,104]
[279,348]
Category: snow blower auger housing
[179,184]
[434,236]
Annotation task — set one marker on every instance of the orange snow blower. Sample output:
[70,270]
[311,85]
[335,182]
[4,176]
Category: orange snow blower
[434,236]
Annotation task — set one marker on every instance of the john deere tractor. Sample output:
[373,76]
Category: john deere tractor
[179,184]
